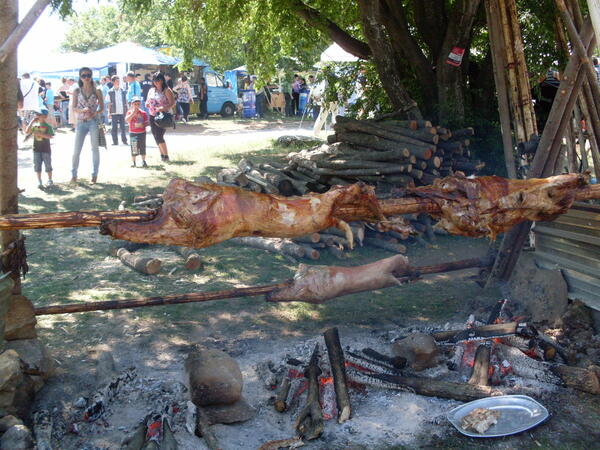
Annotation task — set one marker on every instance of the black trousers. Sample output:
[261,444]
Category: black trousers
[157,132]
[295,102]
[185,109]
[288,104]
[204,108]
[118,120]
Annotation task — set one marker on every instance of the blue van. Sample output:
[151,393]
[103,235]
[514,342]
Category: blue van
[221,98]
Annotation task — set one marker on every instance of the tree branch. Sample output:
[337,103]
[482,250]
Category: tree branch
[17,35]
[385,58]
[349,43]
[403,43]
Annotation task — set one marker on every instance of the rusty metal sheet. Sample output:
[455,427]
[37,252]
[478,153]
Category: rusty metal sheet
[572,243]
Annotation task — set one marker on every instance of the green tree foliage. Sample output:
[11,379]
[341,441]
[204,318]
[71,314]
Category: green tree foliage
[108,25]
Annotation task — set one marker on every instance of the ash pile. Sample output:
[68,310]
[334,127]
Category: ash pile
[328,391]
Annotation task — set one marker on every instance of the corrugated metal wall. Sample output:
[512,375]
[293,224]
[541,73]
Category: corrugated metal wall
[572,243]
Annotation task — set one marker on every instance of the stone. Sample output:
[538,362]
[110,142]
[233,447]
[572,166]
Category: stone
[540,293]
[20,319]
[214,377]
[8,421]
[35,355]
[10,371]
[419,349]
[17,437]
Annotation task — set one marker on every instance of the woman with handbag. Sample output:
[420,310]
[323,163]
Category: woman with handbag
[87,106]
[159,102]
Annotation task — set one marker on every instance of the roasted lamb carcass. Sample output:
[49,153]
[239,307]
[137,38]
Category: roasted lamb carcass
[317,284]
[488,206]
[200,215]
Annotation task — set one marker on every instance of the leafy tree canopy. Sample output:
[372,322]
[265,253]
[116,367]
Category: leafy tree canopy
[107,25]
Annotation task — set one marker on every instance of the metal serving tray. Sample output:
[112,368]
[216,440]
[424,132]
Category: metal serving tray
[517,413]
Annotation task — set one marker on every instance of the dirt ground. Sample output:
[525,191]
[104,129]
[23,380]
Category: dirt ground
[73,265]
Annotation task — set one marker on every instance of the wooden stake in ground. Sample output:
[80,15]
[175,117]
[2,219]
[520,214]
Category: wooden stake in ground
[192,258]
[338,370]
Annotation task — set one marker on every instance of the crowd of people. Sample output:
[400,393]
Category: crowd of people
[85,106]
[129,105]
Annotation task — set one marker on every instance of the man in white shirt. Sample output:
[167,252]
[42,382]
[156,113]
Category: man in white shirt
[31,101]
[117,107]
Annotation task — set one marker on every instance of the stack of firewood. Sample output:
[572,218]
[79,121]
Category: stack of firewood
[388,154]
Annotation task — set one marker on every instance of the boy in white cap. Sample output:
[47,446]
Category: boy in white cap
[138,121]
[42,153]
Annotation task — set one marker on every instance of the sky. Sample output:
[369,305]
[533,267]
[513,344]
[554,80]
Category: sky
[46,35]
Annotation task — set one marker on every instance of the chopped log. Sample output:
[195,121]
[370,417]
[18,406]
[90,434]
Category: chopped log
[378,142]
[398,155]
[483,332]
[582,379]
[311,252]
[143,198]
[309,423]
[338,370]
[389,246]
[353,164]
[273,245]
[424,135]
[312,238]
[416,173]
[147,266]
[433,163]
[454,146]
[412,124]
[387,169]
[462,392]
[346,125]
[284,184]
[192,258]
[283,392]
[481,366]
[397,362]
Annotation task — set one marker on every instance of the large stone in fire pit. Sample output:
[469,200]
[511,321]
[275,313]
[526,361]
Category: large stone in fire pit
[419,349]
[215,383]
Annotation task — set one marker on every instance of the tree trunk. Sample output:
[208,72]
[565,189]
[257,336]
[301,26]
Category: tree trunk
[386,60]
[450,79]
[9,203]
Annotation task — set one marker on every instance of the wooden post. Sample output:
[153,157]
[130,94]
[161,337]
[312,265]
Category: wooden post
[581,136]
[545,158]
[499,64]
[9,203]
[594,9]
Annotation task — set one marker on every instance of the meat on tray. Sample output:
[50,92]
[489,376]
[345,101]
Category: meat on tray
[480,419]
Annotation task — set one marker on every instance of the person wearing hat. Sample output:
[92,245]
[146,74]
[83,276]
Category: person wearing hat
[138,121]
[42,132]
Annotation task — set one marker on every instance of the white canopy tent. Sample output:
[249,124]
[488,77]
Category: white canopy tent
[335,53]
